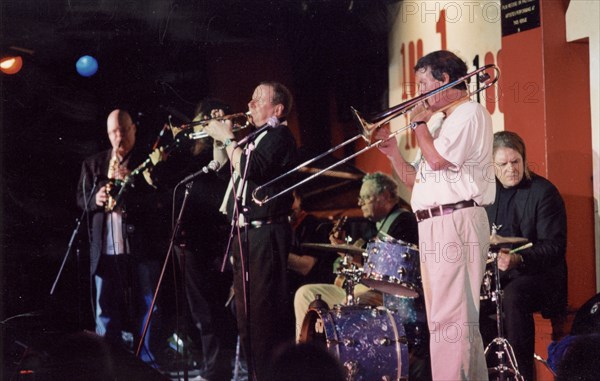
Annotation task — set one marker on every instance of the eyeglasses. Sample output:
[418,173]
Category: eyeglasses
[363,200]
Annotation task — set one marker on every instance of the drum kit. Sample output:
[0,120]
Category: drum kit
[376,342]
[372,342]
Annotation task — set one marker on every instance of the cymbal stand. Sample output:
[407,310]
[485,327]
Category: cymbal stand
[507,367]
[352,274]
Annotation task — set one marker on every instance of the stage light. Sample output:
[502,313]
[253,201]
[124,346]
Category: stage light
[86,66]
[11,64]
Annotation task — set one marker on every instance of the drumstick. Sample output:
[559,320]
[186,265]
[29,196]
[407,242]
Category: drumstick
[526,246]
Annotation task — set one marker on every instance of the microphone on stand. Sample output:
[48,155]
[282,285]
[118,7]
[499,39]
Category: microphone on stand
[213,166]
[272,122]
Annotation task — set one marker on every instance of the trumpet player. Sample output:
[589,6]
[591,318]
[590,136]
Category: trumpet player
[260,256]
[123,281]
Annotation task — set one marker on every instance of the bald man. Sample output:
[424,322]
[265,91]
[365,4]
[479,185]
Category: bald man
[123,267]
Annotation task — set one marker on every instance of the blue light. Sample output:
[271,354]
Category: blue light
[86,66]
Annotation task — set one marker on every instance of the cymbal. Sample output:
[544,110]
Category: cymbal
[341,248]
[496,239]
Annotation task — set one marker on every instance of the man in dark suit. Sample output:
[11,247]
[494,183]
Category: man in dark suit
[262,235]
[527,205]
[122,267]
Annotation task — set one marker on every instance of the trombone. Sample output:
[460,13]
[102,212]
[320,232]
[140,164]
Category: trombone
[367,126]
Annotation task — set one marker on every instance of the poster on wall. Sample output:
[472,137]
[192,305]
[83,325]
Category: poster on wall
[519,15]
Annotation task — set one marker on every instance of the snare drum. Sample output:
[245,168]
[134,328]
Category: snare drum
[369,342]
[393,268]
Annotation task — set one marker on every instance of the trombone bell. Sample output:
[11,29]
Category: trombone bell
[366,128]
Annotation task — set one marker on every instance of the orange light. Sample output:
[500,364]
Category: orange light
[11,65]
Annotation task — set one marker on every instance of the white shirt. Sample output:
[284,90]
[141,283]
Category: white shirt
[465,140]
[114,243]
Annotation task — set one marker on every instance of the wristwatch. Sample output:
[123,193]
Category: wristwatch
[227,143]
[414,125]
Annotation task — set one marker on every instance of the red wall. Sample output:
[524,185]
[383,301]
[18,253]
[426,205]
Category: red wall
[545,98]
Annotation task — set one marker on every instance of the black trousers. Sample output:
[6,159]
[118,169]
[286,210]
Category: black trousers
[206,290]
[264,314]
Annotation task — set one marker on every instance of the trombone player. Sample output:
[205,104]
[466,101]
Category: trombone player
[262,235]
[450,185]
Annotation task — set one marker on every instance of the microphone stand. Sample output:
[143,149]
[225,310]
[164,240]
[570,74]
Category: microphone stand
[251,136]
[73,235]
[239,214]
[188,187]
[245,250]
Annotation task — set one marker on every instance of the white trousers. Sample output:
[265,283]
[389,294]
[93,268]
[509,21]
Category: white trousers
[453,250]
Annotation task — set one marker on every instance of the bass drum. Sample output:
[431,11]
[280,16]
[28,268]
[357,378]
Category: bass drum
[370,342]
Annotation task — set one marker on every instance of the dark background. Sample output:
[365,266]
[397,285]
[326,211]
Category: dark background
[156,58]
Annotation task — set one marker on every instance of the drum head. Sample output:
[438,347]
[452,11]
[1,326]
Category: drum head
[370,343]
[392,268]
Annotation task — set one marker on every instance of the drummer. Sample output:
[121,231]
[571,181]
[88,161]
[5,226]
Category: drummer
[527,205]
[391,216]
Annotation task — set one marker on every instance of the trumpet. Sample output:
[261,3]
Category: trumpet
[196,135]
[235,119]
[368,126]
[147,164]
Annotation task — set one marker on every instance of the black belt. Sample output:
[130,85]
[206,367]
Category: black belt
[269,221]
[441,210]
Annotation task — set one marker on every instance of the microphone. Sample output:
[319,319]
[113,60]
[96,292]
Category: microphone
[272,122]
[213,166]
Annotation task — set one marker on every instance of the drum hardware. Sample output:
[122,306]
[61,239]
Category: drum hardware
[545,363]
[352,274]
[338,248]
[505,355]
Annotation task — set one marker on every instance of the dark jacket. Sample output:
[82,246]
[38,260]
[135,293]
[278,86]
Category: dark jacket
[139,202]
[272,156]
[540,216]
